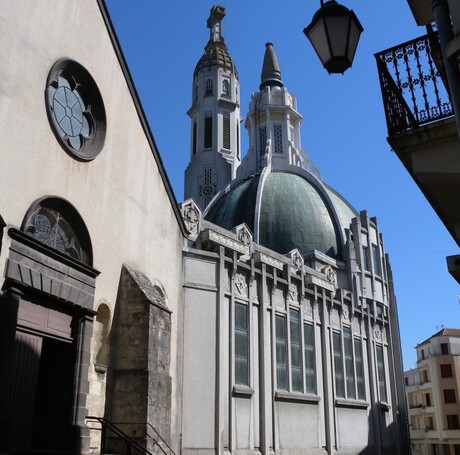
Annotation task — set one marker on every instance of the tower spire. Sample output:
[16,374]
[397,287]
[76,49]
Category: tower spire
[271,73]
[215,118]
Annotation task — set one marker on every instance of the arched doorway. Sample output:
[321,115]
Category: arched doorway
[47,310]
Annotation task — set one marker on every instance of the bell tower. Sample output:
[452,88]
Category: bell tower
[215,118]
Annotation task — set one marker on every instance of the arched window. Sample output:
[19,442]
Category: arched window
[57,224]
[226,87]
[209,87]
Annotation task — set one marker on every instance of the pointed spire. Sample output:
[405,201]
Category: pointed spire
[271,73]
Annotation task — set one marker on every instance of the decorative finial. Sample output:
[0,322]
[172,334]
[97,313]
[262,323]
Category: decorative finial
[271,73]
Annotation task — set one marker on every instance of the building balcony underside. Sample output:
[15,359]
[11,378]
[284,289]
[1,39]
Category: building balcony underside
[422,128]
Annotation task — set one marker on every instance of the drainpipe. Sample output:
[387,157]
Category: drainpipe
[443,23]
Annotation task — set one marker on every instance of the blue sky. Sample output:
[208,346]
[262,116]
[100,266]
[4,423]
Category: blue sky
[343,130]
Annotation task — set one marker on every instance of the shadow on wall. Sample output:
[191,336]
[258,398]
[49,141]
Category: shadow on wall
[2,225]
[37,411]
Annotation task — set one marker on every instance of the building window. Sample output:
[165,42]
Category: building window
[381,374]
[194,139]
[452,422]
[75,110]
[241,344]
[446,370]
[338,365]
[309,352]
[55,223]
[226,131]
[349,367]
[278,138]
[444,348]
[262,140]
[281,352]
[449,396]
[406,380]
[424,376]
[427,400]
[376,259]
[422,354]
[209,87]
[351,384]
[208,132]
[429,423]
[365,263]
[297,374]
[226,87]
[359,364]
[237,140]
[195,93]
[296,352]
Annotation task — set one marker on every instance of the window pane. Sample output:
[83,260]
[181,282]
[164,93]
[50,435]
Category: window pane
[262,141]
[446,370]
[349,368]
[226,131]
[208,132]
[281,357]
[296,360]
[359,365]
[309,350]
[381,373]
[338,365]
[366,258]
[278,136]
[241,344]
[449,396]
[376,259]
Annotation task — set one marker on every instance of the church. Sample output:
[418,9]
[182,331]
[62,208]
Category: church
[256,317]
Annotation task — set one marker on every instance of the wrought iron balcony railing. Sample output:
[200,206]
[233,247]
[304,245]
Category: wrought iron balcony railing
[413,83]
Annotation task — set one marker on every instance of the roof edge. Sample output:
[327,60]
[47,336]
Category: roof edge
[141,113]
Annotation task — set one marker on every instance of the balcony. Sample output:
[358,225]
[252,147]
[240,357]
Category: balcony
[421,124]
[412,80]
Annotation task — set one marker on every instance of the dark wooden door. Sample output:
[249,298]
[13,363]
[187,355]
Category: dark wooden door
[22,389]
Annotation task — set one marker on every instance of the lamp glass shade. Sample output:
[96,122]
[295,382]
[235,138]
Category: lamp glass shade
[334,34]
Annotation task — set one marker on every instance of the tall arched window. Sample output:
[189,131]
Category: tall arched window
[209,87]
[57,224]
[226,87]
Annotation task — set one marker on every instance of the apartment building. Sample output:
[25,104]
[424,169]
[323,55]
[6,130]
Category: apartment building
[432,390]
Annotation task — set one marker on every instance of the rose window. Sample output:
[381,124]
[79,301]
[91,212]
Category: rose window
[71,117]
[75,110]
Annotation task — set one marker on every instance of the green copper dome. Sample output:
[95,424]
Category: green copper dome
[292,212]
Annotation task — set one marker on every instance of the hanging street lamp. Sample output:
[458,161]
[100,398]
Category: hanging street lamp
[334,34]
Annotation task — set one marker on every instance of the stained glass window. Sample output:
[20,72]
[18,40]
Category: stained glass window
[49,227]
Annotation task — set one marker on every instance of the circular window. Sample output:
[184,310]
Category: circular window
[75,110]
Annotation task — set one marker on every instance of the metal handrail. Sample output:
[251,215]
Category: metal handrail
[413,84]
[130,443]
[153,438]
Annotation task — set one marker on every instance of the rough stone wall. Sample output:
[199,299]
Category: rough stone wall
[138,382]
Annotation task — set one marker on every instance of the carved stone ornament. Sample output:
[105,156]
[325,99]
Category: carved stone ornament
[223,240]
[345,313]
[297,259]
[243,234]
[331,275]
[293,292]
[240,283]
[377,333]
[191,215]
